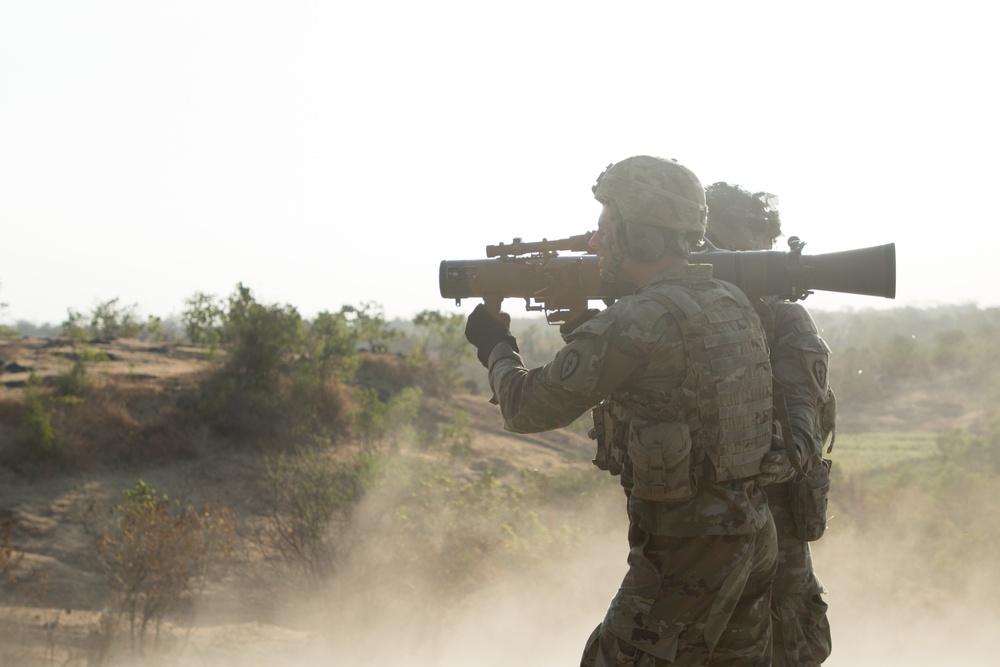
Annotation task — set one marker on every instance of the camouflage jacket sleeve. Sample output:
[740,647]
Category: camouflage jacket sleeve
[599,356]
[799,361]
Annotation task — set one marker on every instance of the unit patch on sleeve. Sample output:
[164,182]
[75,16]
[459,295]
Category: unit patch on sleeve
[819,368]
[569,365]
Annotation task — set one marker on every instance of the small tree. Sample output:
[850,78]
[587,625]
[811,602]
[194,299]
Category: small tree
[332,347]
[109,320]
[38,419]
[401,414]
[263,339]
[368,319]
[456,435]
[204,319]
[155,551]
[74,327]
[369,421]
[443,341]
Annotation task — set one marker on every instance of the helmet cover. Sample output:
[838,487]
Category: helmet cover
[739,220]
[656,192]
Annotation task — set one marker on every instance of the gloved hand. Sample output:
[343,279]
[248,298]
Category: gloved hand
[485,329]
[569,326]
[775,469]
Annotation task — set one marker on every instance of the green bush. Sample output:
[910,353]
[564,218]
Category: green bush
[442,348]
[37,420]
[262,339]
[280,374]
[456,435]
[331,347]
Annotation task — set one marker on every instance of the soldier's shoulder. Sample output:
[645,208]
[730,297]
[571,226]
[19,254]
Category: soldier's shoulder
[794,324]
[793,315]
[636,318]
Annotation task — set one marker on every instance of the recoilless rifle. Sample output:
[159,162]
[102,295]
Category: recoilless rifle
[562,285]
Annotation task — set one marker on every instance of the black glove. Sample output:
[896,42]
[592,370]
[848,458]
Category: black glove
[486,329]
[570,325]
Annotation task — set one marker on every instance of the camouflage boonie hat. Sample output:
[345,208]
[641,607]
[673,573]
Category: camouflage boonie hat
[731,209]
[653,191]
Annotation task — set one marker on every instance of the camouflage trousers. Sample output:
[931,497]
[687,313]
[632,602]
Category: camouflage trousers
[690,601]
[798,613]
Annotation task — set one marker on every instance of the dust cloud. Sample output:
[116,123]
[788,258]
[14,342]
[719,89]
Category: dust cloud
[896,598]
[371,615]
[890,604]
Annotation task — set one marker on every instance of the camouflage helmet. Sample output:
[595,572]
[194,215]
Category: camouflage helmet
[656,192]
[739,220]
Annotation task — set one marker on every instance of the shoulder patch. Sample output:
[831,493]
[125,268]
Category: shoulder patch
[570,365]
[819,370]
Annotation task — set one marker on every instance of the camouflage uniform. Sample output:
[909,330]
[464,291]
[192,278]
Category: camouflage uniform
[799,362]
[741,220]
[697,590]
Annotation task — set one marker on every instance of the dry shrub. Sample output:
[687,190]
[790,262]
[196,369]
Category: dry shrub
[26,583]
[11,410]
[290,410]
[158,554]
[386,373]
[97,429]
[113,421]
[310,495]
[390,373]
[9,559]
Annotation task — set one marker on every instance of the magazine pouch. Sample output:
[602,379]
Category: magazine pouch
[809,500]
[660,453]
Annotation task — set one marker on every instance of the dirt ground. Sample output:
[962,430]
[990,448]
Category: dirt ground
[539,618]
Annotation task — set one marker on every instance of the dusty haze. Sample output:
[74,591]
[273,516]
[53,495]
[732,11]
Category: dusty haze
[887,607]
[903,589]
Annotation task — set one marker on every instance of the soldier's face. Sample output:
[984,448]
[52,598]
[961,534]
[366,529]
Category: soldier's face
[599,241]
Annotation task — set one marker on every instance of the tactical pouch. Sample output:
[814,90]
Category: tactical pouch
[608,456]
[809,500]
[660,453]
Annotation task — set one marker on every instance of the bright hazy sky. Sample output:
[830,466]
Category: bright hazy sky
[331,153]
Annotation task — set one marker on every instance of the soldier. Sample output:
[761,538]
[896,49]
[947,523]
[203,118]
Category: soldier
[681,381]
[739,220]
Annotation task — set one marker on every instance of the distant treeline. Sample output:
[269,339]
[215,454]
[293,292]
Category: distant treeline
[875,350]
[871,348]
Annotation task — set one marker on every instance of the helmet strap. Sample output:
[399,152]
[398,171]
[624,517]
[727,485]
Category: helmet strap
[610,274]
